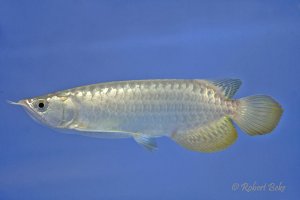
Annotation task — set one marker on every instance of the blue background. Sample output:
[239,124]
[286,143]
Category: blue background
[47,46]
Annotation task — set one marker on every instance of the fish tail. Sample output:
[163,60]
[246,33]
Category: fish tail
[257,115]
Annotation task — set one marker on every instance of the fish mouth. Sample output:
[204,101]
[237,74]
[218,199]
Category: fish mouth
[30,111]
[23,103]
[19,103]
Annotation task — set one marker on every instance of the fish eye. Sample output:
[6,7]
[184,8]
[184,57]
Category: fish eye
[41,105]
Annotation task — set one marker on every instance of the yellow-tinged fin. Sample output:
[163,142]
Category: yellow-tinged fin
[227,86]
[211,137]
[258,115]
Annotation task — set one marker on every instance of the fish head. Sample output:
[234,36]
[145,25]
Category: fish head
[54,111]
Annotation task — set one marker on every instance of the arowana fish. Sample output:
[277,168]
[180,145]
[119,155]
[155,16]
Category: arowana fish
[197,114]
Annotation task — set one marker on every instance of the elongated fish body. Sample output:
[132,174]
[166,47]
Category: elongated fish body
[154,108]
[196,114]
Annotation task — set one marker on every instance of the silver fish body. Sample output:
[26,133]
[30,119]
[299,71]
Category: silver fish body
[154,108]
[195,113]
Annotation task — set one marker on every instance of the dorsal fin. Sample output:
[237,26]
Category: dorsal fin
[227,86]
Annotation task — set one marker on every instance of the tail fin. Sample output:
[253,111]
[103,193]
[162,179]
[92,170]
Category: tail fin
[258,115]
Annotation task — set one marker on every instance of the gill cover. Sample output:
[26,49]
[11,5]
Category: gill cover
[58,112]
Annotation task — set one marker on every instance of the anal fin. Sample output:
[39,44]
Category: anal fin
[211,137]
[147,142]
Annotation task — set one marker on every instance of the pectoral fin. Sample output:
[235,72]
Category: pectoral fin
[147,142]
[214,136]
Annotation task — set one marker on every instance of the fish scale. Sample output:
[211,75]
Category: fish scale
[144,104]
